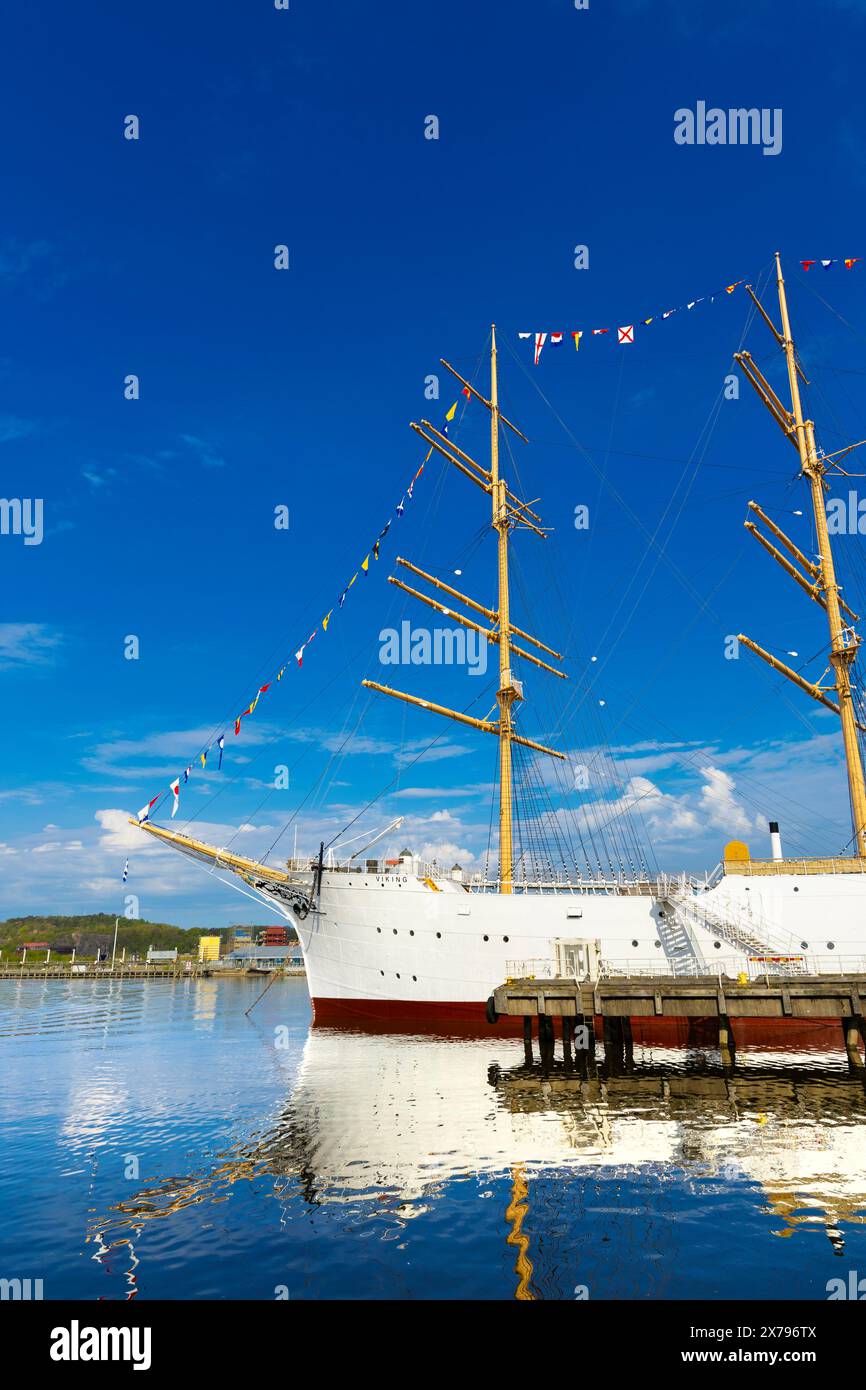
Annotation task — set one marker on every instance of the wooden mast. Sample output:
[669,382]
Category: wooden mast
[821,584]
[843,639]
[506,693]
[507,512]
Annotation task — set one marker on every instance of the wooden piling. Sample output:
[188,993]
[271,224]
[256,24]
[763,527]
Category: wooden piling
[567,1060]
[727,1046]
[853,1031]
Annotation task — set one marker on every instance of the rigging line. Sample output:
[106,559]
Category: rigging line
[296,764]
[229,779]
[697,457]
[332,763]
[223,725]
[618,497]
[549,713]
[388,785]
[659,458]
[664,664]
[692,759]
[591,685]
[262,901]
[704,607]
[604,467]
[317,783]
[809,285]
[233,778]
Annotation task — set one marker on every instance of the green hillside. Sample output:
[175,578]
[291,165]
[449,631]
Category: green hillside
[88,933]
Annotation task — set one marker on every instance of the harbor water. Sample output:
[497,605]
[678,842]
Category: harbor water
[159,1143]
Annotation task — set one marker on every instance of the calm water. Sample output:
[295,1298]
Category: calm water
[155,1143]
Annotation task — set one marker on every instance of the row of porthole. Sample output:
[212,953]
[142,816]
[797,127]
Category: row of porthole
[439,936]
[414,977]
[804,945]
[796,889]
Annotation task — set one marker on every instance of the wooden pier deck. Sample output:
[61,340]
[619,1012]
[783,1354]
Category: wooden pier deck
[616,1000]
[197,971]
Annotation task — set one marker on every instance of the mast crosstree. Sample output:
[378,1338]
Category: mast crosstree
[819,580]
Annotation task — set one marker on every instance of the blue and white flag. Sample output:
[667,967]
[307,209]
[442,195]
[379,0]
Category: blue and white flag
[125,871]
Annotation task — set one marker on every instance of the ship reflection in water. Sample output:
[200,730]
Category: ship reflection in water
[443,1166]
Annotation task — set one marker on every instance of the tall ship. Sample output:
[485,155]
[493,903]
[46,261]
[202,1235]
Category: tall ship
[404,940]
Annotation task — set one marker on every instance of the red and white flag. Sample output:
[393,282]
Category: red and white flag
[556,337]
[175,787]
[577,334]
[540,340]
[145,810]
[596,331]
[626,334]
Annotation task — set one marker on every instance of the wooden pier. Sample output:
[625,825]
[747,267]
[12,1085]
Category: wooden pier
[196,971]
[616,1000]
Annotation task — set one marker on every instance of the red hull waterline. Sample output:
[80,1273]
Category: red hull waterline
[469,1020]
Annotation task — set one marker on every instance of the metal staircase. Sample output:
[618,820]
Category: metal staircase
[689,909]
[680,946]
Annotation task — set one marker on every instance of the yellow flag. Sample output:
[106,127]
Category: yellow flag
[452,412]
[351,581]
[325,621]
[365,564]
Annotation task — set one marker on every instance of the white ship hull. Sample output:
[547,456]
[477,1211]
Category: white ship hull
[402,945]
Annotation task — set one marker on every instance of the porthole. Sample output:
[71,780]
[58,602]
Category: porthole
[804,945]
[398,977]
[379,930]
[831,945]
[717,945]
[382,973]
[415,979]
[395,931]
[634,943]
[487,938]
[658,943]
[796,890]
[438,936]
[505,938]
[411,933]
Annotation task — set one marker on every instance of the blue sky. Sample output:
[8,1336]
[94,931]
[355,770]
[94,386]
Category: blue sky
[259,388]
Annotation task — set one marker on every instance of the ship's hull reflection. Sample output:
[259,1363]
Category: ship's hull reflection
[392,1116]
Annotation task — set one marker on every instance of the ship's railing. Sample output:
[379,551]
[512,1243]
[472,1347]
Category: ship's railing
[728,968]
[755,968]
[533,968]
[638,887]
[758,867]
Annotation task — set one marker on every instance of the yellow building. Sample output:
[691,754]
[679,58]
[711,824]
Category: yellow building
[208,948]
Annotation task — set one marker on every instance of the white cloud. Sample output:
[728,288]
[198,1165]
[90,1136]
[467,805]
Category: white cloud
[719,806]
[445,853]
[27,644]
